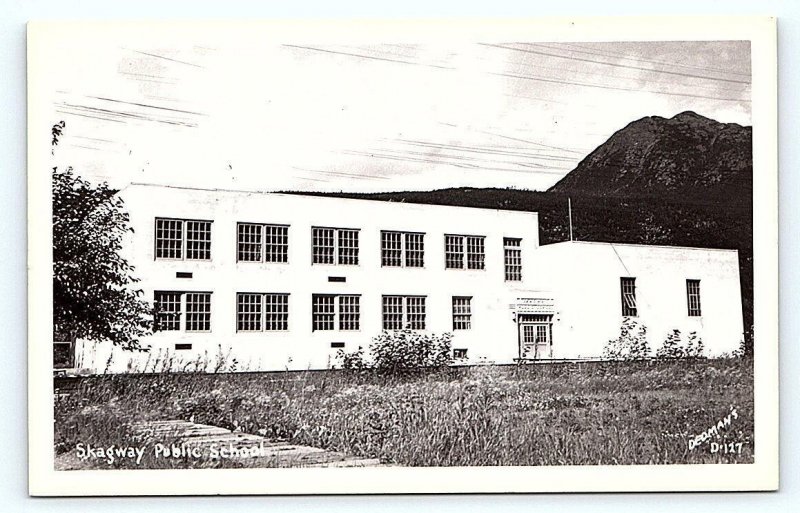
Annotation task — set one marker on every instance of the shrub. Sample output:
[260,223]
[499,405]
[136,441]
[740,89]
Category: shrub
[671,348]
[695,347]
[352,361]
[404,350]
[630,345]
[674,347]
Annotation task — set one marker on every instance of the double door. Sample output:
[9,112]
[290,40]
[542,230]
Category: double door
[535,336]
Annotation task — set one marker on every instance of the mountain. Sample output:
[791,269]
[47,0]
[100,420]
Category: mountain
[688,156]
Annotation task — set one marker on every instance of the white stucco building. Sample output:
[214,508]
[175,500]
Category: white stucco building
[284,281]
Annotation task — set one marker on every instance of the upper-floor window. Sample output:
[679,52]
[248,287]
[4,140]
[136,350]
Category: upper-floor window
[400,249]
[464,250]
[262,242]
[628,293]
[183,238]
[512,254]
[403,312]
[335,311]
[262,311]
[693,297]
[171,305]
[334,245]
[462,312]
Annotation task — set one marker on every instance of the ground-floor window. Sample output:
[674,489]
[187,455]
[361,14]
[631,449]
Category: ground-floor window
[462,312]
[262,311]
[404,312]
[335,311]
[628,291]
[170,306]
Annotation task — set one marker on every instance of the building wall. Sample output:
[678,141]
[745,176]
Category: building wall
[577,282]
[585,278]
[491,339]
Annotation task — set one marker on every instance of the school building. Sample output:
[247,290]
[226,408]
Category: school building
[283,281]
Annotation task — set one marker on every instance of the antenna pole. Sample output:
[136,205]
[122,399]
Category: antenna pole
[569,205]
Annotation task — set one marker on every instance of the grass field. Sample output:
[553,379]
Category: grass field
[558,414]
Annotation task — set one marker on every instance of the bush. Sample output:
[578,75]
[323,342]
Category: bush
[674,347]
[352,361]
[671,348]
[403,350]
[631,343]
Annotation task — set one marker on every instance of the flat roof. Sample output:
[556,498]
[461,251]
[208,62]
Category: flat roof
[634,245]
[329,198]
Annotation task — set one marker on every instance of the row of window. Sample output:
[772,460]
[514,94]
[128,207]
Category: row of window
[270,312]
[191,239]
[631,309]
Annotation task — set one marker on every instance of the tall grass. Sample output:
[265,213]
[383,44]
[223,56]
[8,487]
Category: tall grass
[570,414]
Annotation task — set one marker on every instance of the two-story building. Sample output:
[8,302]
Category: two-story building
[281,281]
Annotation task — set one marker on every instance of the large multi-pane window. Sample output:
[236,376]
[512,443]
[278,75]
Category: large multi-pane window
[392,312]
[628,293]
[335,311]
[262,311]
[169,238]
[462,312]
[349,312]
[348,247]
[400,249]
[512,251]
[401,312]
[167,311]
[198,240]
[453,252]
[462,251]
[322,245]
[171,305]
[183,238]
[248,311]
[476,253]
[693,297]
[262,243]
[334,245]
[323,310]
[198,311]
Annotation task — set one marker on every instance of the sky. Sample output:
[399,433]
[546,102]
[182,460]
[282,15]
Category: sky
[260,115]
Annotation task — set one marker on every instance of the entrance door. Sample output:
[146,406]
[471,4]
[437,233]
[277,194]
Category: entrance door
[534,340]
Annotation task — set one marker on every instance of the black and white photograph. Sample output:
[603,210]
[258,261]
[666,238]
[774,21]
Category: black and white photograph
[313,251]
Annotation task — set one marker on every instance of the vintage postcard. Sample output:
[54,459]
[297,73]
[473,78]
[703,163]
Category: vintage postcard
[289,257]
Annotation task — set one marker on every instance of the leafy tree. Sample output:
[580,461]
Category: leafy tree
[93,294]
